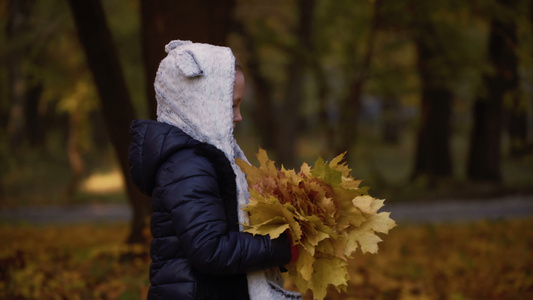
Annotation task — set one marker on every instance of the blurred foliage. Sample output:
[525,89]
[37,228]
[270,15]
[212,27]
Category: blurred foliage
[42,179]
[482,260]
[40,175]
[57,60]
[340,33]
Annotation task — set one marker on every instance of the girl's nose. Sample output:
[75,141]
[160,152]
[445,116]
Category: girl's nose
[237,117]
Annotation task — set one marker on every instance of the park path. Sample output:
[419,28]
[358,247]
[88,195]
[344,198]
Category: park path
[457,210]
[462,210]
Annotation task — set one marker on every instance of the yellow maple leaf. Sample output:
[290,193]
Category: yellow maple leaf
[333,272]
[364,204]
[273,227]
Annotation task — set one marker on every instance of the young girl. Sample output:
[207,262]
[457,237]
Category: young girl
[186,163]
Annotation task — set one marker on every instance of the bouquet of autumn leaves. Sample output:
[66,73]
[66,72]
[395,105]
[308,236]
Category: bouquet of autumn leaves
[326,213]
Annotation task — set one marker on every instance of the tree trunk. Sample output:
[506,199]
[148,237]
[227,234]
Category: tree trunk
[35,123]
[324,116]
[205,21]
[289,125]
[100,140]
[75,158]
[517,126]
[391,123]
[263,111]
[115,103]
[349,115]
[17,25]
[485,140]
[433,157]
[290,122]
[351,108]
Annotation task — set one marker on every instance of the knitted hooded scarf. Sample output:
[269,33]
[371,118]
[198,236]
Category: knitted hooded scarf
[194,92]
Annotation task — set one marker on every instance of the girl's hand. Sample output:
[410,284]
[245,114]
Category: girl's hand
[294,248]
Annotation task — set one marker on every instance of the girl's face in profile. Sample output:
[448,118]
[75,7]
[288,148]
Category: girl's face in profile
[238,94]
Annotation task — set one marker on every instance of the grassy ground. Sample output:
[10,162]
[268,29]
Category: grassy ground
[483,260]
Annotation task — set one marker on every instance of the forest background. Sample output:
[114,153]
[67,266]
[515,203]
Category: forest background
[430,99]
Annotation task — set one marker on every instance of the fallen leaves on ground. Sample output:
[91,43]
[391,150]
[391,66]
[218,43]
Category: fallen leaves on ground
[481,260]
[71,262]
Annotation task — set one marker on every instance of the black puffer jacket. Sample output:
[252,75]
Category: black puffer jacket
[197,251]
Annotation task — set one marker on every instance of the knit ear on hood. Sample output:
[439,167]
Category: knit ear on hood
[188,65]
[175,43]
[185,60]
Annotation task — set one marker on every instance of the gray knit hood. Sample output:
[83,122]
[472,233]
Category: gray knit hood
[194,92]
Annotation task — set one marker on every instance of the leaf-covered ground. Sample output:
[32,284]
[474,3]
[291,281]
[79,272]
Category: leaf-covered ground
[483,260]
